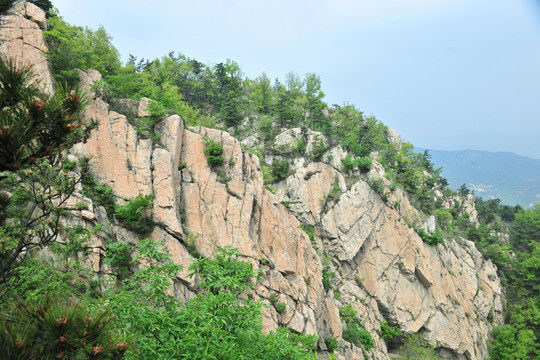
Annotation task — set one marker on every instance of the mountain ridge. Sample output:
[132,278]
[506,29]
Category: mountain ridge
[512,178]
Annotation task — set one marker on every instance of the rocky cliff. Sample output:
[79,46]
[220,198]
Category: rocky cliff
[379,264]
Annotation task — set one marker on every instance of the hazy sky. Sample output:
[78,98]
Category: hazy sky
[446,74]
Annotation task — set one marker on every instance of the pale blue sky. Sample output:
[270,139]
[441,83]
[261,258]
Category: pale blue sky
[446,74]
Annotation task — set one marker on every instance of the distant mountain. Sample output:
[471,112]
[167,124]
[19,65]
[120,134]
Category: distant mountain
[510,177]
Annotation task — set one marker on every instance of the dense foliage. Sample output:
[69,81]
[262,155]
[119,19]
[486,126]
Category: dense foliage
[142,320]
[518,262]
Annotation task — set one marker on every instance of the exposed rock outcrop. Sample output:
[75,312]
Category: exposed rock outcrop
[21,39]
[381,266]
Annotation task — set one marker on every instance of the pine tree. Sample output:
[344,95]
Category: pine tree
[35,182]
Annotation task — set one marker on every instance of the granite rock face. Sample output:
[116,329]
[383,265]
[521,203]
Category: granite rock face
[21,39]
[382,268]
[379,264]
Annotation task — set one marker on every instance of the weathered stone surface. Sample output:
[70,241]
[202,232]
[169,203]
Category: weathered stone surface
[429,225]
[334,157]
[119,156]
[307,190]
[87,79]
[165,182]
[143,107]
[21,39]
[422,288]
[394,137]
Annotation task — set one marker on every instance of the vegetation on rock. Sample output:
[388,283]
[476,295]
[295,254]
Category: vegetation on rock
[223,320]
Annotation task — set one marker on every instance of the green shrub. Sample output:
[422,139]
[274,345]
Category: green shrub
[268,174]
[415,346]
[281,307]
[221,322]
[273,298]
[326,275]
[389,332]
[318,148]
[118,255]
[78,238]
[214,152]
[433,240]
[364,163]
[39,276]
[280,169]
[133,214]
[444,217]
[348,163]
[335,193]
[356,334]
[300,146]
[81,206]
[377,185]
[347,313]
[308,229]
[331,343]
[266,126]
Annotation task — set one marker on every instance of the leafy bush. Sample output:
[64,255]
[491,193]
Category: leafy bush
[377,185]
[356,334]
[133,214]
[308,229]
[433,240]
[347,313]
[335,193]
[81,206]
[416,347]
[281,307]
[222,322]
[518,338]
[331,343]
[214,152]
[280,169]
[444,217]
[319,148]
[326,275]
[364,163]
[268,174]
[300,146]
[348,163]
[118,255]
[73,47]
[389,332]
[266,126]
[38,276]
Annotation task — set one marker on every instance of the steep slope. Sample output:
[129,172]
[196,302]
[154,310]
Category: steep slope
[379,265]
[382,267]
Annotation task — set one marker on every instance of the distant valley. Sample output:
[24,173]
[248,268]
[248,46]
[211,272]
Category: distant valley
[507,176]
